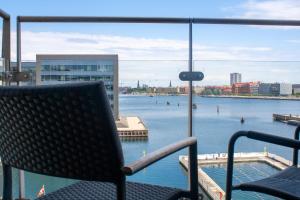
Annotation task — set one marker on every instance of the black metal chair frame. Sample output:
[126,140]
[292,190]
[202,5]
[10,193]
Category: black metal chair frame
[8,160]
[282,141]
[136,167]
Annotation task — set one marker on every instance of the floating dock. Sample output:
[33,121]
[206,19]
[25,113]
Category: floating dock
[213,190]
[131,127]
[289,119]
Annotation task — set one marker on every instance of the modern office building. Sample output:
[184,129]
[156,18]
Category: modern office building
[277,89]
[281,89]
[235,78]
[296,88]
[59,69]
[264,89]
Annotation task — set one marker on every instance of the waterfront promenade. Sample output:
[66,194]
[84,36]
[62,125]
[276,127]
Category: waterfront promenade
[292,98]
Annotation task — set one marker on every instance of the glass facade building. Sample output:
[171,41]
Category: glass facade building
[56,69]
[59,69]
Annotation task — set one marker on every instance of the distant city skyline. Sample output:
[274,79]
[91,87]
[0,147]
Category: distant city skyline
[154,78]
[231,78]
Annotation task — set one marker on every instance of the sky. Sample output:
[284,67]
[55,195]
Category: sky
[155,54]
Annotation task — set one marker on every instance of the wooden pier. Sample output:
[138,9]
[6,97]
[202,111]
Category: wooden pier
[289,119]
[213,190]
[131,127]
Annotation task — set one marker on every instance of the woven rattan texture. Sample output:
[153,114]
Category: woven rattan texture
[107,191]
[63,130]
[284,184]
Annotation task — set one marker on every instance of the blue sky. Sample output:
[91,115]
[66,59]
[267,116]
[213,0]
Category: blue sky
[234,44]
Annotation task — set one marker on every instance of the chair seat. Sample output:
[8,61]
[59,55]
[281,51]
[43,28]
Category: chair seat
[101,190]
[285,184]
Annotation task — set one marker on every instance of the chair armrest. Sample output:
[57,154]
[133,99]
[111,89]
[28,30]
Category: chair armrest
[158,155]
[287,142]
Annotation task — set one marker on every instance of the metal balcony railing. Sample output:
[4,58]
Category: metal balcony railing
[147,20]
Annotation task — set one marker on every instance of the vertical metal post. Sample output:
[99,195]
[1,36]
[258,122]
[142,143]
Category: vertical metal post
[190,112]
[193,172]
[295,154]
[19,68]
[5,54]
[192,153]
[6,43]
[19,62]
[7,182]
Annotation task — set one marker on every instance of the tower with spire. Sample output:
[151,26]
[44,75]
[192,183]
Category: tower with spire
[170,85]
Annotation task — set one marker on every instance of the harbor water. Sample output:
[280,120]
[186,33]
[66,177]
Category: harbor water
[168,124]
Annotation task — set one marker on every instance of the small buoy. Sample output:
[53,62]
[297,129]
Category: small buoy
[218,109]
[242,120]
[178,104]
[168,103]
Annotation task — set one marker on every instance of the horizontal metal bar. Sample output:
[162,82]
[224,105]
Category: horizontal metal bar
[265,22]
[95,19]
[4,15]
[85,19]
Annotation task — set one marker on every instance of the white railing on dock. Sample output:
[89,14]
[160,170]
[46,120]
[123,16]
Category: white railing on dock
[280,159]
[216,156]
[217,193]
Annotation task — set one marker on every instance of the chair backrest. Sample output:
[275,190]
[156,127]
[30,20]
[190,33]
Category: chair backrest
[60,130]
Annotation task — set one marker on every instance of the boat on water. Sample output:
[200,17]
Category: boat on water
[168,103]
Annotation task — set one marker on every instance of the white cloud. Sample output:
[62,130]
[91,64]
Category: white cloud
[272,9]
[267,9]
[128,48]
[294,41]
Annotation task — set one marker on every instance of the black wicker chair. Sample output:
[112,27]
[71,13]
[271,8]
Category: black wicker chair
[68,131]
[285,184]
